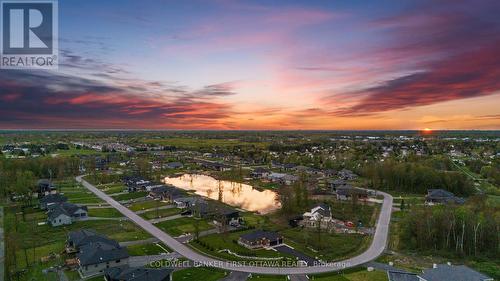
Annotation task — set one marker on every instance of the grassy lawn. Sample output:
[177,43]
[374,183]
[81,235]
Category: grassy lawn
[72,275]
[128,196]
[30,242]
[146,205]
[76,193]
[198,273]
[147,249]
[345,211]
[211,244]
[112,188]
[161,213]
[356,274]
[105,213]
[330,247]
[183,225]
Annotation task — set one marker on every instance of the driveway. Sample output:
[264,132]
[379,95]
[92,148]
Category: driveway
[285,249]
[137,261]
[298,278]
[376,248]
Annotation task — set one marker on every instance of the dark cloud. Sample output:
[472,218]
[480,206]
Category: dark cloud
[454,51]
[48,100]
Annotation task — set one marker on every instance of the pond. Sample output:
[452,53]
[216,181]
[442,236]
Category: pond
[232,193]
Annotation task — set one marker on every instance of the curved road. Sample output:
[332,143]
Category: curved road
[376,248]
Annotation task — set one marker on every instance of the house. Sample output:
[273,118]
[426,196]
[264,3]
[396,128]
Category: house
[135,183]
[347,174]
[347,192]
[95,257]
[65,213]
[214,165]
[125,273]
[186,202]
[165,193]
[441,196]
[448,272]
[259,172]
[51,199]
[320,213]
[78,238]
[174,165]
[282,178]
[260,239]
[401,276]
[221,214]
[334,184]
[45,187]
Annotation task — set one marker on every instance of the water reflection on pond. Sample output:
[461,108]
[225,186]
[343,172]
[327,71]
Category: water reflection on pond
[232,193]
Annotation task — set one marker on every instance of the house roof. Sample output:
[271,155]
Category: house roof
[174,164]
[260,234]
[439,193]
[64,208]
[53,198]
[99,252]
[349,190]
[443,195]
[444,272]
[402,276]
[86,236]
[126,273]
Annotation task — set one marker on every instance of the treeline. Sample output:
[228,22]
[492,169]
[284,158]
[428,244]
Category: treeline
[415,178]
[469,230]
[19,176]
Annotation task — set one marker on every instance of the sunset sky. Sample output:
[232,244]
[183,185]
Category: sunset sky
[265,65]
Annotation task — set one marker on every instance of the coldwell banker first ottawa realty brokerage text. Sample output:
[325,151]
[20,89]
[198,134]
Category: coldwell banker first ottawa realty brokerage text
[29,35]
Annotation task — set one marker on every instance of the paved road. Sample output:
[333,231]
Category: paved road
[301,277]
[376,248]
[285,249]
[137,261]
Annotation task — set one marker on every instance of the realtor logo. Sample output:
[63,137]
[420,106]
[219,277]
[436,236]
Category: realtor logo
[29,34]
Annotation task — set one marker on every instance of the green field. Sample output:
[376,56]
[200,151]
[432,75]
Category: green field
[112,188]
[183,225]
[131,195]
[211,244]
[105,213]
[198,273]
[30,241]
[76,193]
[161,213]
[329,247]
[148,249]
[146,205]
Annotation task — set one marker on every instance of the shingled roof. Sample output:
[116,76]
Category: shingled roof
[100,252]
[125,273]
[86,236]
[444,272]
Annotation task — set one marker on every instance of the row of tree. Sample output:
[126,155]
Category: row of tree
[415,178]
[469,230]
